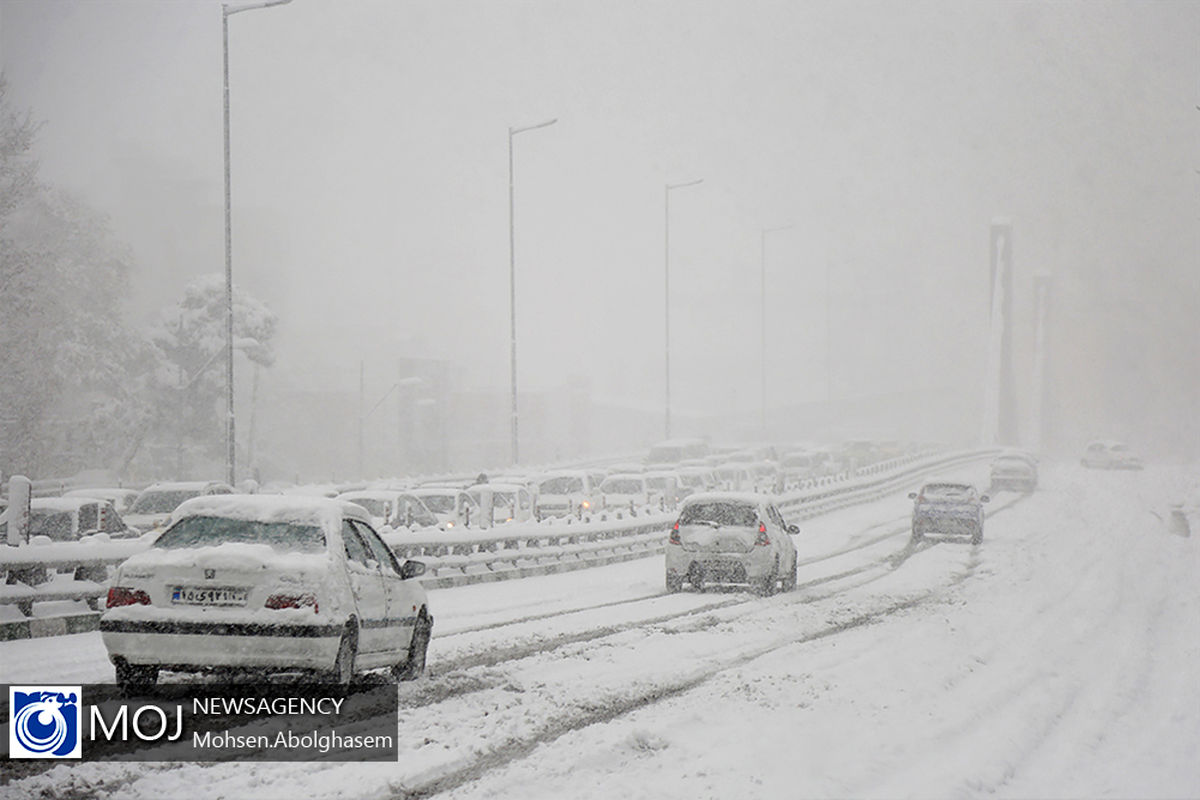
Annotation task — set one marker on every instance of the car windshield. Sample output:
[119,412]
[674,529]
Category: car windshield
[211,531]
[722,513]
[946,491]
[563,485]
[439,503]
[373,505]
[55,524]
[656,483]
[1011,463]
[162,501]
[622,486]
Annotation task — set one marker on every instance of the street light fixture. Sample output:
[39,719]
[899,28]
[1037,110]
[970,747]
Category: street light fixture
[763,319]
[667,293]
[512,276]
[226,12]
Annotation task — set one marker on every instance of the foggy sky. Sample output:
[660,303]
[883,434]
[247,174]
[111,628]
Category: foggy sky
[370,181]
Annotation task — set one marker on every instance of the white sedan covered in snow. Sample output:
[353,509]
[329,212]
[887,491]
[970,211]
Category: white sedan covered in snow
[267,583]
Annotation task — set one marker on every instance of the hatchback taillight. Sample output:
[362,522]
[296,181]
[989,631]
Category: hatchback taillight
[292,600]
[124,596]
[762,538]
[674,537]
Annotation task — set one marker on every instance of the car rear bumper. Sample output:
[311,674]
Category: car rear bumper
[192,645]
[945,524]
[717,567]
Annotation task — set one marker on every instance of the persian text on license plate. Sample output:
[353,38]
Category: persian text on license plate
[209,595]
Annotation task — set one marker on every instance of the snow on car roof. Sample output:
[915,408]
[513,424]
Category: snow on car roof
[175,486]
[727,497]
[62,503]
[102,493]
[324,512]
[370,494]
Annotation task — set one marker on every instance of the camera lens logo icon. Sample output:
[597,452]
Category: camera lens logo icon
[44,721]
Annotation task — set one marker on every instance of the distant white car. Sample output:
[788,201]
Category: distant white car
[1108,454]
[567,493]
[625,491]
[122,499]
[154,505]
[453,507]
[695,479]
[731,537]
[392,509]
[806,464]
[266,583]
[1014,473]
[664,488]
[511,502]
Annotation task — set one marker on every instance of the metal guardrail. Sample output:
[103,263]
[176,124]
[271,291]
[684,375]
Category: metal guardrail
[78,571]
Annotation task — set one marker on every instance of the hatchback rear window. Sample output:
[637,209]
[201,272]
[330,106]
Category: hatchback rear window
[946,491]
[721,513]
[212,531]
[622,486]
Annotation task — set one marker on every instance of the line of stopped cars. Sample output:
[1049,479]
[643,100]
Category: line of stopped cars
[302,583]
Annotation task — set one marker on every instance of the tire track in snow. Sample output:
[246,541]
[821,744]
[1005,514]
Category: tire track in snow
[557,728]
[448,681]
[579,718]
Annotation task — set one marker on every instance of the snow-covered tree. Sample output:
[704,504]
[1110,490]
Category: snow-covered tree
[189,342]
[65,352]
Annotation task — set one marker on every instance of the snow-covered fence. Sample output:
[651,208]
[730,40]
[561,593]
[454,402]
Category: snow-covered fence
[59,588]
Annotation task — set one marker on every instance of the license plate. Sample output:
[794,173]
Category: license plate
[209,595]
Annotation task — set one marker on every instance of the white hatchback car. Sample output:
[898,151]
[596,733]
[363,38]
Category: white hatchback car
[266,583]
[731,537]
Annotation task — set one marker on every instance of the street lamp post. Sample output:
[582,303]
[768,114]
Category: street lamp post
[667,294]
[763,319]
[226,13]
[512,277]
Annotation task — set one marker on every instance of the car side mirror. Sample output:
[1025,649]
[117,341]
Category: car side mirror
[984,499]
[412,569]
[912,495]
[793,529]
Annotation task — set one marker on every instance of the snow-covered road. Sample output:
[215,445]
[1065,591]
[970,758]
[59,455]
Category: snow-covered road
[1052,660]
